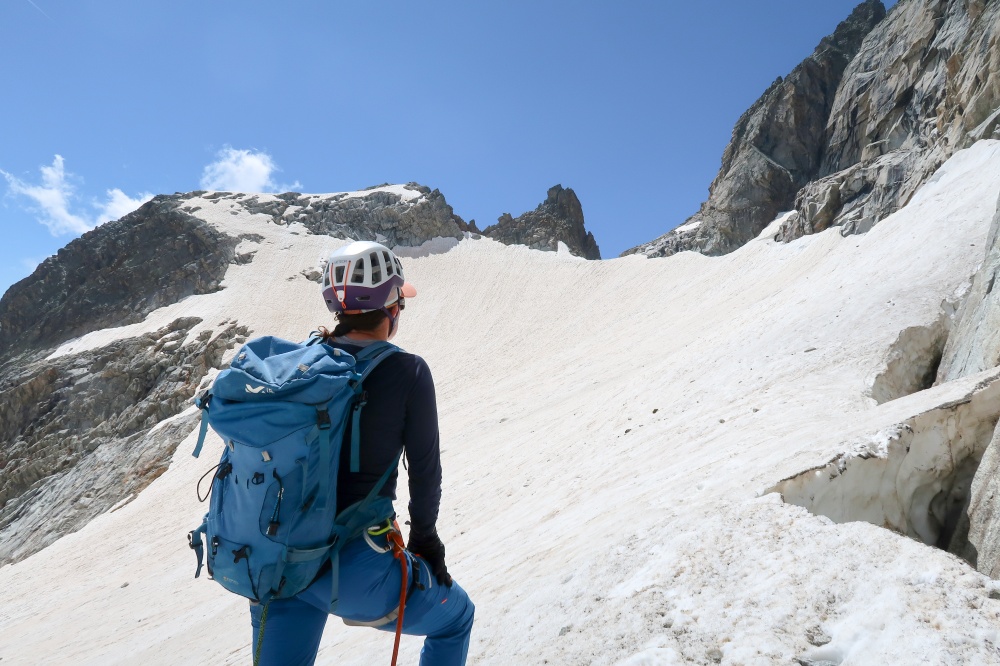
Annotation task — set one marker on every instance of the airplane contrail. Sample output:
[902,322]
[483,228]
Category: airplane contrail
[40,9]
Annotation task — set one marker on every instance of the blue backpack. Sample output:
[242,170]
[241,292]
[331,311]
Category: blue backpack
[273,521]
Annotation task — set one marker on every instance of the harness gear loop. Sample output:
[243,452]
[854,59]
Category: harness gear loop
[379,530]
[395,538]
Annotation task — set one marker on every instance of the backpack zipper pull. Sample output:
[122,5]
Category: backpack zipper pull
[272,526]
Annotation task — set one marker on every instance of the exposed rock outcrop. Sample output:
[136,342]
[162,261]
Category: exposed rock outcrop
[912,362]
[984,511]
[394,215]
[115,275]
[80,432]
[776,148]
[558,218]
[925,84]
[974,344]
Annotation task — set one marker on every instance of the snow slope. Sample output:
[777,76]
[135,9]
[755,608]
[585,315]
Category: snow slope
[608,429]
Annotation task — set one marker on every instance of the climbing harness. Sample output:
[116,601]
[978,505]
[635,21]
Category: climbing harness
[394,543]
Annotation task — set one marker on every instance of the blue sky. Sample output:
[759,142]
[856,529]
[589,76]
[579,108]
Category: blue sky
[629,103]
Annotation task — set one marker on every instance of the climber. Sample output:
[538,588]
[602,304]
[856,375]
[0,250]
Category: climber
[363,286]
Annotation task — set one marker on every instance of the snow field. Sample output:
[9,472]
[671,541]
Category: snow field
[606,429]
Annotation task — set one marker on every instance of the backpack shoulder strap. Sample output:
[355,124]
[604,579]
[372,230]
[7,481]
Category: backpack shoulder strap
[374,354]
[370,356]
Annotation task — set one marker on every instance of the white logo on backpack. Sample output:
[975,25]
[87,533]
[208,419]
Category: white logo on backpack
[258,389]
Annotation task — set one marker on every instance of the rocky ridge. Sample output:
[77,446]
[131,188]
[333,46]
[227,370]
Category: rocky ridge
[775,150]
[925,84]
[84,432]
[405,215]
[115,275]
[557,219]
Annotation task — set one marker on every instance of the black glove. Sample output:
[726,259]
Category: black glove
[429,547]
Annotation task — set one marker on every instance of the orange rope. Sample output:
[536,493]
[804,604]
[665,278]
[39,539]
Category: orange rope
[399,552]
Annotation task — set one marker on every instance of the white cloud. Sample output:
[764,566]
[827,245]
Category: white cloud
[51,199]
[54,195]
[243,171]
[119,205]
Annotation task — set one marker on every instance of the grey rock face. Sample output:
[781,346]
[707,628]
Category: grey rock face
[380,216]
[115,275]
[79,432]
[925,84]
[984,511]
[849,197]
[558,218]
[974,344]
[776,148]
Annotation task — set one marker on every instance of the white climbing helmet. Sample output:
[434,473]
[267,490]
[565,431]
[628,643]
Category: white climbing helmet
[364,276]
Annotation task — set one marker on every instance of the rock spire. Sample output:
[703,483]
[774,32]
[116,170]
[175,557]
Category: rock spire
[558,218]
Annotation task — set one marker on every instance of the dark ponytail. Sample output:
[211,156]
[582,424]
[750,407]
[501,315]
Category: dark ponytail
[366,321]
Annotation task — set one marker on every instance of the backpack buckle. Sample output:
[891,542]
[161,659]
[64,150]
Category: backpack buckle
[323,419]
[203,399]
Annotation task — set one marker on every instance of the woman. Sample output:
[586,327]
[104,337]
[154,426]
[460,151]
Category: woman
[364,287]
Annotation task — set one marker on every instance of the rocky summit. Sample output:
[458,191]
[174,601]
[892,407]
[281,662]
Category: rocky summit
[775,150]
[557,219]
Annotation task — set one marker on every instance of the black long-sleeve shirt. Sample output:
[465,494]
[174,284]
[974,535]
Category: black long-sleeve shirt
[401,413]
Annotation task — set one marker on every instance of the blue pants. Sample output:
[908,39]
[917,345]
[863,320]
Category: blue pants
[369,589]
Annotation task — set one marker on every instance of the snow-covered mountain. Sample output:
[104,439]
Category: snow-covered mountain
[608,496]
[786,454]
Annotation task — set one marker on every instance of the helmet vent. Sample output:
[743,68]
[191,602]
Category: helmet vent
[339,278]
[376,269]
[358,274]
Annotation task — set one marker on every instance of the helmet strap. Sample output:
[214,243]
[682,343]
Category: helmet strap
[392,320]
